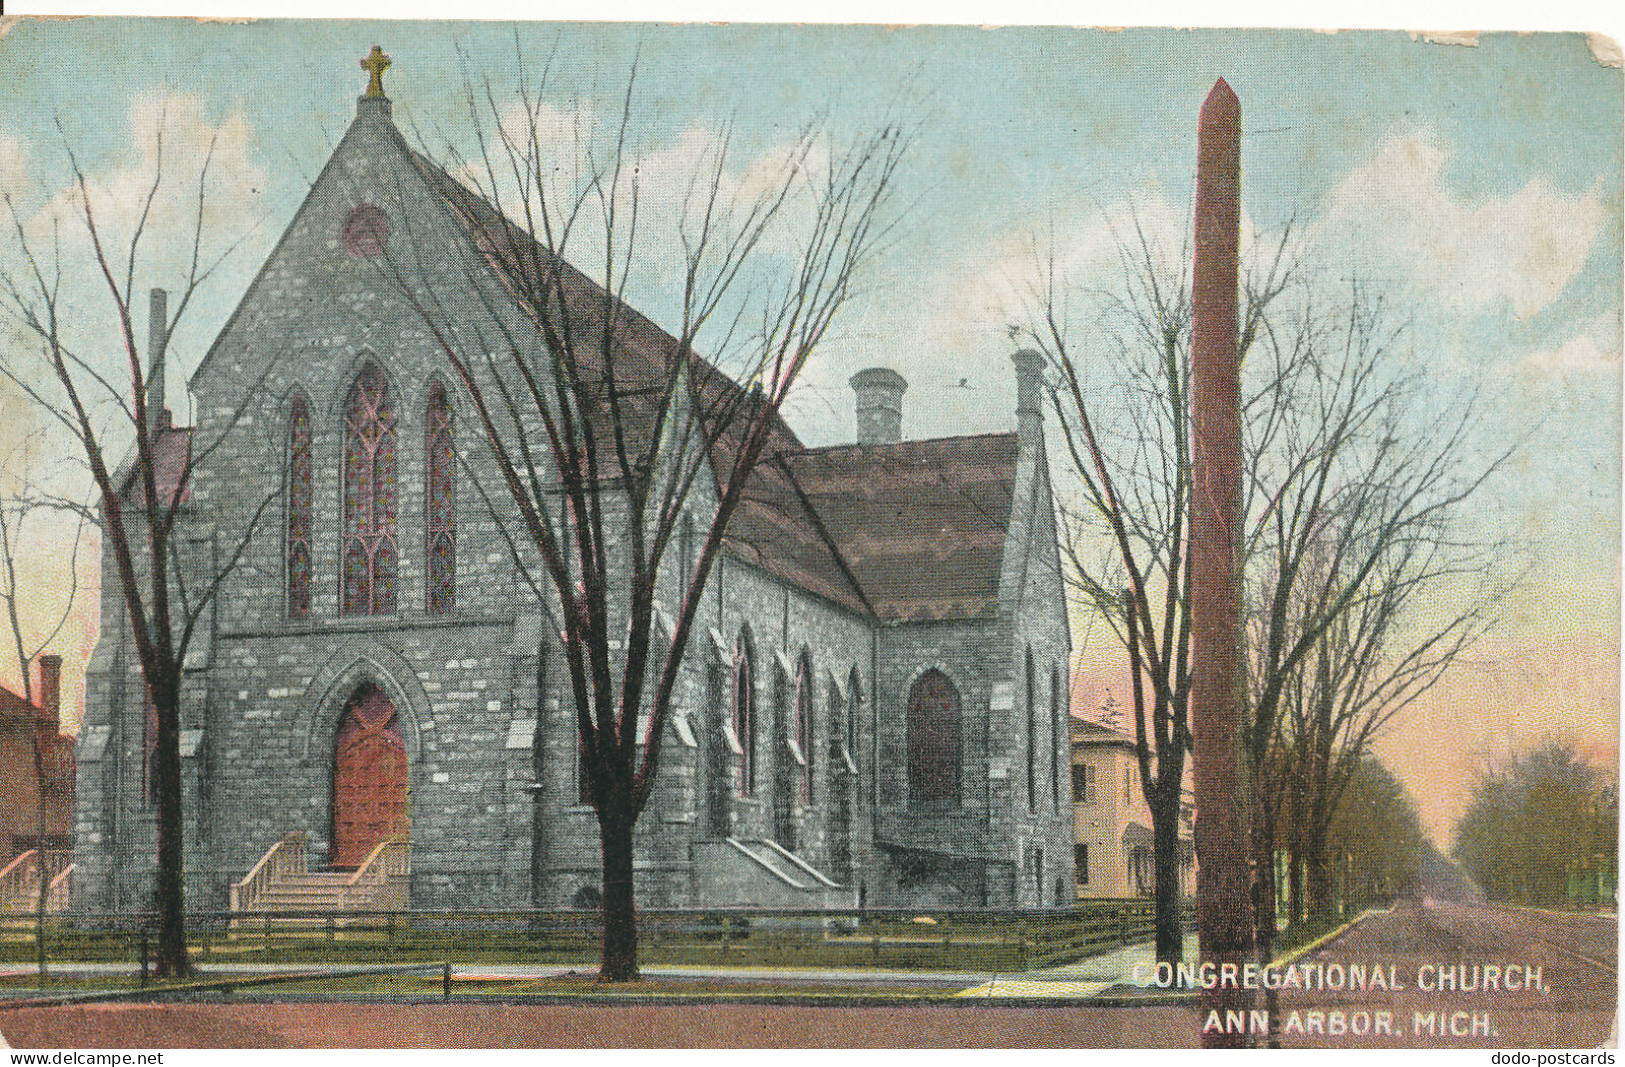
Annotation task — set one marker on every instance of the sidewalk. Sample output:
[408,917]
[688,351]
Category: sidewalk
[1087,978]
[498,972]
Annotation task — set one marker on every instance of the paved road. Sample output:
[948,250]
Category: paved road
[1465,976]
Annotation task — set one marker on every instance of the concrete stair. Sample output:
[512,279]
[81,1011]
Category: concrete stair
[282,884]
[763,874]
[310,891]
[20,882]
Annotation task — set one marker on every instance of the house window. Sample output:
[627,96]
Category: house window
[933,743]
[440,500]
[1080,863]
[1083,783]
[743,716]
[300,495]
[369,497]
[1032,738]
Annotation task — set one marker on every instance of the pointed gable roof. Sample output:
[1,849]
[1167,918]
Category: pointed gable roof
[906,532]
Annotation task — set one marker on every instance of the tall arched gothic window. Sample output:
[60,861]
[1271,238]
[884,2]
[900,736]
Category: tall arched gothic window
[1032,736]
[300,495]
[370,555]
[744,716]
[440,503]
[1059,742]
[804,725]
[933,743]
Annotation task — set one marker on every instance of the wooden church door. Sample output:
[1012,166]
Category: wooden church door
[370,796]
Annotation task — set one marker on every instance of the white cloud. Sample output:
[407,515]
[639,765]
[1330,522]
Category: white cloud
[1471,254]
[170,136]
[1594,350]
[172,139]
[569,154]
[947,329]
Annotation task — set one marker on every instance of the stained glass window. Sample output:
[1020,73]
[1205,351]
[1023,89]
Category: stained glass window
[299,504]
[370,555]
[440,503]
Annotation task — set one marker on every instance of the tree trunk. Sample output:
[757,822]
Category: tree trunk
[1263,848]
[1319,875]
[1264,891]
[1170,918]
[173,961]
[1294,881]
[620,952]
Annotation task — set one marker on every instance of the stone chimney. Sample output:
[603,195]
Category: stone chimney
[1029,391]
[880,405]
[157,342]
[50,690]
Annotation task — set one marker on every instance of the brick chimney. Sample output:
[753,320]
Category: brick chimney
[50,690]
[880,405]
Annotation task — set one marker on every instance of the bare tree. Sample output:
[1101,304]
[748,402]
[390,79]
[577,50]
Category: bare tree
[1132,464]
[608,435]
[1350,495]
[165,582]
[1357,491]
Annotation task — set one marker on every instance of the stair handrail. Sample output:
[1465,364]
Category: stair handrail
[285,857]
[801,864]
[60,891]
[380,879]
[19,880]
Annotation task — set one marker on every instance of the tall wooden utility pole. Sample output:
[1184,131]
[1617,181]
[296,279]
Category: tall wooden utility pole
[1218,681]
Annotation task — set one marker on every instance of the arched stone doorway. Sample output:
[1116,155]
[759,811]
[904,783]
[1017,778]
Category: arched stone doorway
[371,794]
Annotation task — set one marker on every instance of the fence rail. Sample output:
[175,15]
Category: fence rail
[976,940]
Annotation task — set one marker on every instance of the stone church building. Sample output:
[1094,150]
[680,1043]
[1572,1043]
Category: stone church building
[874,702]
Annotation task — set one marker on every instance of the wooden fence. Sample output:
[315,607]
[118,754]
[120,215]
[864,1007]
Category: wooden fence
[947,941]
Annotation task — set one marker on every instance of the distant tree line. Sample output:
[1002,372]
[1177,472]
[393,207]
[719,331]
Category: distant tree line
[1542,827]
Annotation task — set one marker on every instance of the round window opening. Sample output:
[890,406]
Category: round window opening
[366,231]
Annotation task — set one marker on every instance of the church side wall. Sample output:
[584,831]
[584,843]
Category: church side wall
[1039,820]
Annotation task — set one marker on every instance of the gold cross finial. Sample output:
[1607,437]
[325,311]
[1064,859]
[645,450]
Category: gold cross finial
[375,64]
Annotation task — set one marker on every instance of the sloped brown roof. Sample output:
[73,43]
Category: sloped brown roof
[14,706]
[920,525]
[905,532]
[171,452]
